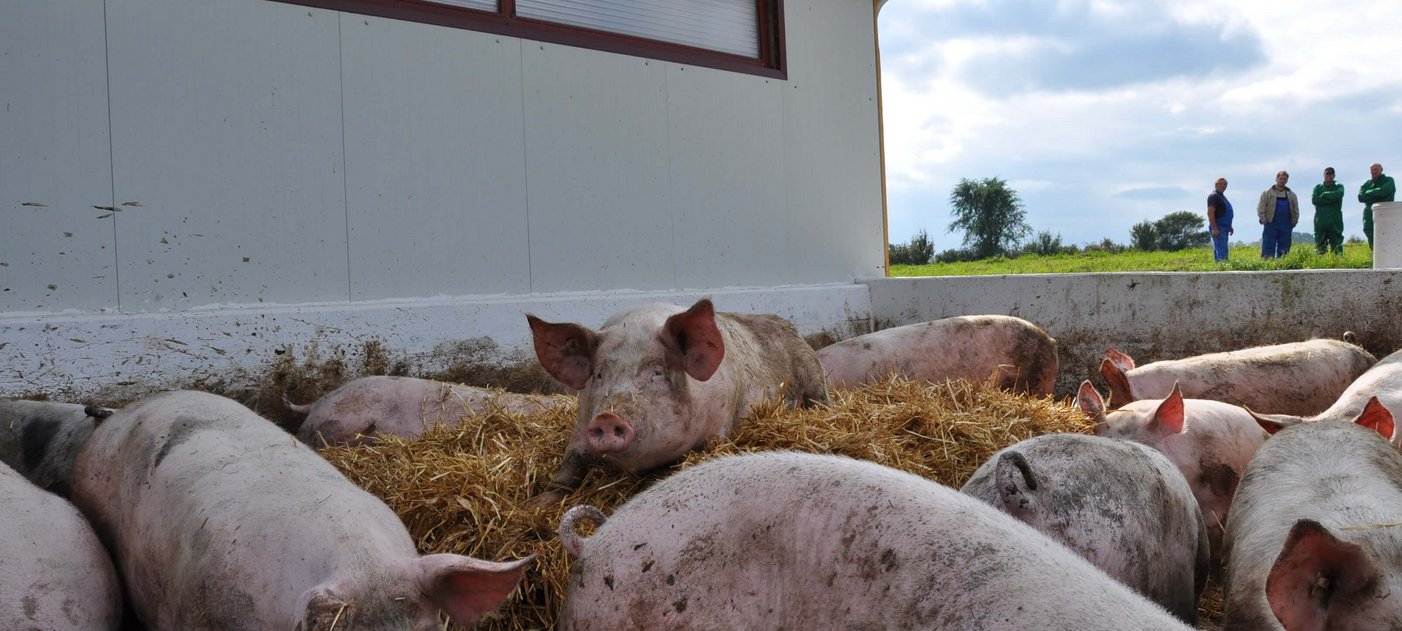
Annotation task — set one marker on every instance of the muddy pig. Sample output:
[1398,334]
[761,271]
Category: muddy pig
[1121,505]
[1376,392]
[781,540]
[39,439]
[54,573]
[218,519]
[1298,378]
[1313,540]
[359,411]
[658,381]
[1209,441]
[1019,355]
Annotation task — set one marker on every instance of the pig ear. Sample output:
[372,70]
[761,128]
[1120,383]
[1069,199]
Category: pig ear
[1088,399]
[1017,485]
[466,587]
[1377,417]
[1168,418]
[694,333]
[1313,568]
[1123,362]
[566,351]
[1114,375]
[1273,423]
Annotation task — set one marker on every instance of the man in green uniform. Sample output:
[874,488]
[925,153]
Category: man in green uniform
[1329,214]
[1379,189]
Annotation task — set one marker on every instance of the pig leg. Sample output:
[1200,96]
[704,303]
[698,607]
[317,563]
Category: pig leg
[566,480]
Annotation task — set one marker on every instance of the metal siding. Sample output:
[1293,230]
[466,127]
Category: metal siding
[831,143]
[436,194]
[596,165]
[726,151]
[54,151]
[226,122]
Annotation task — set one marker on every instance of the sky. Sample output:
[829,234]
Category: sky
[1105,113]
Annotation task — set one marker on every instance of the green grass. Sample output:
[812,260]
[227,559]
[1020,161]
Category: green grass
[1355,256]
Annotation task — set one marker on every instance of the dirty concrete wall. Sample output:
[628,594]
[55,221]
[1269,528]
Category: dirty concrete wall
[1160,315]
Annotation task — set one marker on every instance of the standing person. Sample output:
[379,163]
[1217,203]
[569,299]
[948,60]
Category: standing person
[1219,219]
[1379,189]
[1279,211]
[1328,201]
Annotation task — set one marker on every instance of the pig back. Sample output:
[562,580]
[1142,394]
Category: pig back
[780,540]
[54,574]
[40,439]
[256,516]
[767,349]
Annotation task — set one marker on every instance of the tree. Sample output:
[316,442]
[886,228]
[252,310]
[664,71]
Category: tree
[1181,230]
[990,214]
[1143,236]
[920,250]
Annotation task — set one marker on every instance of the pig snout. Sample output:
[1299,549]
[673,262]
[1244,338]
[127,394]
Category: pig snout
[608,433]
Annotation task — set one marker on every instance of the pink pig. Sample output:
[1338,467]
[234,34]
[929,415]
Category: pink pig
[1210,442]
[54,573]
[658,381]
[1018,354]
[219,520]
[361,410]
[782,540]
[1297,378]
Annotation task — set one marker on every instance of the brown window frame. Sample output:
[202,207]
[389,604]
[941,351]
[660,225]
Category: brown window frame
[504,21]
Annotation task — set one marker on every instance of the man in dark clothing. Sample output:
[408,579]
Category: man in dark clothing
[1219,219]
[1328,201]
[1379,189]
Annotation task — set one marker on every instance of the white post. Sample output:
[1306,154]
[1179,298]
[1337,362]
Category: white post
[1387,235]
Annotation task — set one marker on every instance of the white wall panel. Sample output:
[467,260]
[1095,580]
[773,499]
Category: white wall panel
[54,159]
[831,142]
[226,122]
[726,135]
[436,192]
[596,170]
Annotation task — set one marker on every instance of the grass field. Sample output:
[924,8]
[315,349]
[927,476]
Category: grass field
[1242,258]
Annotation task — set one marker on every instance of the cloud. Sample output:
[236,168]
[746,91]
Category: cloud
[1004,48]
[1154,192]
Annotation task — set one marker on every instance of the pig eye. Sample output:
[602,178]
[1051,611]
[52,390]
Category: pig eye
[659,375]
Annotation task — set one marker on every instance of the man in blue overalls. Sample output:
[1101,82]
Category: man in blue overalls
[1219,219]
[1278,211]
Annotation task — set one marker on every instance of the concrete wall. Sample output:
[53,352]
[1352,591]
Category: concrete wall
[1162,315]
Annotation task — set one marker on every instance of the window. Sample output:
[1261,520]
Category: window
[739,35]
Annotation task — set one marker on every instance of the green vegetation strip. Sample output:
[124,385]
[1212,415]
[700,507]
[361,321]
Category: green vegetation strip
[1241,258]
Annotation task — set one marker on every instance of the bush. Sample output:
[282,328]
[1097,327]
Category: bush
[1044,245]
[1181,230]
[1107,246]
[920,251]
[960,255]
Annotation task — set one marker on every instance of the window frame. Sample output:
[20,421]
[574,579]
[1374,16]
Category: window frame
[771,62]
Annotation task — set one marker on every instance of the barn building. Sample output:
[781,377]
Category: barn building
[190,186]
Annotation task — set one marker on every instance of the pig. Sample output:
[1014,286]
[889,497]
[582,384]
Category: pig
[658,381]
[1209,441]
[217,519]
[359,411]
[1313,539]
[39,439]
[782,540]
[1017,354]
[1376,392]
[54,573]
[1300,378]
[1121,505]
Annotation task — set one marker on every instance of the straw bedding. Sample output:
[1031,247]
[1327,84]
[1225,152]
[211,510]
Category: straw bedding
[464,488]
